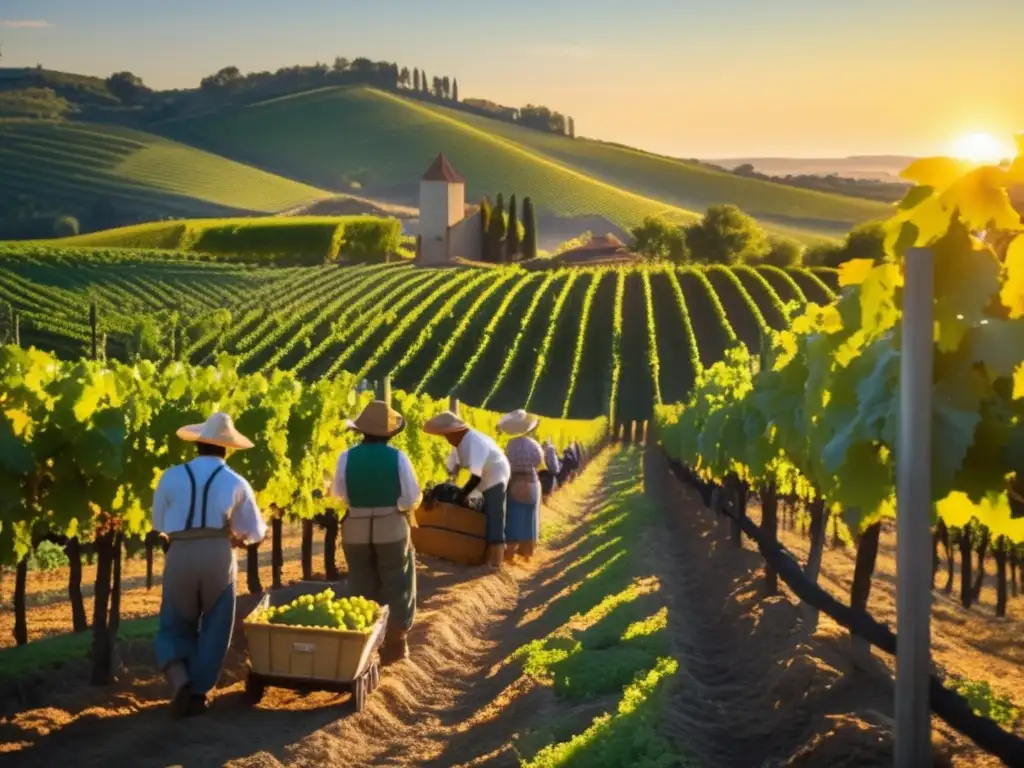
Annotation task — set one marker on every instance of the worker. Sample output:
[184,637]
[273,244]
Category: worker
[203,507]
[525,457]
[552,466]
[379,487]
[489,474]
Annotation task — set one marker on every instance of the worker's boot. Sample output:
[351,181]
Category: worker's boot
[395,648]
[181,690]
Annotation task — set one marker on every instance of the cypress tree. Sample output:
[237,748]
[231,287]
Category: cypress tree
[529,248]
[423,81]
[572,128]
[486,212]
[496,231]
[416,79]
[512,245]
[446,86]
[455,90]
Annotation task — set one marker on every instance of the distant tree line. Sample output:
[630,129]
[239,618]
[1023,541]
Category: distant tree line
[44,93]
[507,237]
[872,189]
[23,217]
[726,235]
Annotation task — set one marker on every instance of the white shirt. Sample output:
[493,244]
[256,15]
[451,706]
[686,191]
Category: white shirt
[231,502]
[410,496]
[481,456]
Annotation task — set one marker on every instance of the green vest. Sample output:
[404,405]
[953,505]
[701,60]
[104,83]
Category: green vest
[371,476]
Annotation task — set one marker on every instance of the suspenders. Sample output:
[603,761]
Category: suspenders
[206,496]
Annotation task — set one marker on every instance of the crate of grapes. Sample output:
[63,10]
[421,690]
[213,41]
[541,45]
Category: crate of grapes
[315,642]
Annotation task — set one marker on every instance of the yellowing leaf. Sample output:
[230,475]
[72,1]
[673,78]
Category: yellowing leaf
[854,272]
[1012,293]
[1018,382]
[937,172]
[981,198]
[20,421]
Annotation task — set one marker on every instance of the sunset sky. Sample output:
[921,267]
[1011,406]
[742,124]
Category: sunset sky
[691,78]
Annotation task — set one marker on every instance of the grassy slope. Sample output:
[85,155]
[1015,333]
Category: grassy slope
[389,141]
[79,163]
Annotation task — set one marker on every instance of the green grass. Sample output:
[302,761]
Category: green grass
[348,137]
[78,164]
[53,652]
[610,642]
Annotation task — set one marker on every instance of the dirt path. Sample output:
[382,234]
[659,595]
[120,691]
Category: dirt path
[455,701]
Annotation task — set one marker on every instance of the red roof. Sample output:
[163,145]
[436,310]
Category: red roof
[442,170]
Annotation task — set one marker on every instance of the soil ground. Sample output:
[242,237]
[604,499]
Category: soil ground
[638,588]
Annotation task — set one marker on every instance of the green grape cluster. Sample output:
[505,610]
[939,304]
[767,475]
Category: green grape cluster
[323,611]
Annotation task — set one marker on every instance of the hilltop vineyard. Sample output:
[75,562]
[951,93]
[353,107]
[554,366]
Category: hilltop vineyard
[576,343]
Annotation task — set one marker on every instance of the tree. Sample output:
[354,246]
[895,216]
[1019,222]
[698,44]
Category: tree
[486,211]
[529,247]
[423,81]
[223,78]
[438,89]
[512,242]
[572,128]
[866,241]
[66,226]
[726,235]
[341,64]
[824,255]
[496,232]
[416,79]
[446,87]
[657,239]
[783,252]
[403,77]
[128,88]
[455,90]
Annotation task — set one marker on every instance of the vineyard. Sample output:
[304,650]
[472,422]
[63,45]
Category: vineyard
[538,335]
[811,421]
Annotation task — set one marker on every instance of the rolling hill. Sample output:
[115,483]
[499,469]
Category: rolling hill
[573,342]
[81,163]
[379,143]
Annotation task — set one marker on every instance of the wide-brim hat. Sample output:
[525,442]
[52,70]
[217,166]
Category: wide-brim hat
[446,423]
[378,419]
[518,423]
[219,429]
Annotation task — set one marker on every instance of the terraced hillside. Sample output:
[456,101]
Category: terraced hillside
[574,342]
[79,164]
[337,138]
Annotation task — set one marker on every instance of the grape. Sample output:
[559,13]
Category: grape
[323,611]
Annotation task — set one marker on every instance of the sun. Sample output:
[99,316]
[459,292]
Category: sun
[983,148]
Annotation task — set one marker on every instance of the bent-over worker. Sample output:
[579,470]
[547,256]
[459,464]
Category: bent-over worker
[522,515]
[203,507]
[379,486]
[489,469]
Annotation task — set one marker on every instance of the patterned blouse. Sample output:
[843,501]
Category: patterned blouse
[524,454]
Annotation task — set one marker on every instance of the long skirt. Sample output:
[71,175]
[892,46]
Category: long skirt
[522,521]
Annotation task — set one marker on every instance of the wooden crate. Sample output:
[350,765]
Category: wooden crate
[452,533]
[311,654]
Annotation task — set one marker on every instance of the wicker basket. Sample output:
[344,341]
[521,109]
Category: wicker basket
[451,532]
[311,654]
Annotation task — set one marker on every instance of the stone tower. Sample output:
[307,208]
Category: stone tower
[442,205]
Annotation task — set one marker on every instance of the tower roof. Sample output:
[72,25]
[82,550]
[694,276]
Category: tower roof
[442,170]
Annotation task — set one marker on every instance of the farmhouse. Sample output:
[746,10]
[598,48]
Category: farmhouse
[446,232]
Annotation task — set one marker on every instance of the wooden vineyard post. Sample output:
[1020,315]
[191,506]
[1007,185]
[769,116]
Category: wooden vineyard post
[384,390]
[912,745]
[17,329]
[453,404]
[92,332]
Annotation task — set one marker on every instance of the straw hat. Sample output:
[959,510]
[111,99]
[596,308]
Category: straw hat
[219,429]
[445,423]
[518,423]
[378,419]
